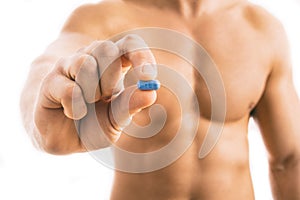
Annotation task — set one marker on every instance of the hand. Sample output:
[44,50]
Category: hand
[92,79]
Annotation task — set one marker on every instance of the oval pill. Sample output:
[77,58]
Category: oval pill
[148,85]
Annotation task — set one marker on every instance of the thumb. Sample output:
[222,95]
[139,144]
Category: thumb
[128,103]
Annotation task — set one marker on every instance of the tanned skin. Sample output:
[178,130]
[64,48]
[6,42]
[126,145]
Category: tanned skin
[250,49]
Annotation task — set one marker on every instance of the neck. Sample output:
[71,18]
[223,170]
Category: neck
[188,8]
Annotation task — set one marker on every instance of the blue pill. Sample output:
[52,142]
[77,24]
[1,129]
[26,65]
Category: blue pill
[148,85]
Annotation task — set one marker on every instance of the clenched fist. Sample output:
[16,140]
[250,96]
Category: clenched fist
[91,81]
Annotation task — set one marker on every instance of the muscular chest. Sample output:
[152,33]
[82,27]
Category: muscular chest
[243,66]
[220,50]
[224,70]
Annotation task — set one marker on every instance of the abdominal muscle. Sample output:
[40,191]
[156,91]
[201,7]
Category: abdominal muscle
[223,174]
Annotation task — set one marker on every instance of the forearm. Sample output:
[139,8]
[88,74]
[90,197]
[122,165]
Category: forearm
[67,44]
[38,71]
[285,179]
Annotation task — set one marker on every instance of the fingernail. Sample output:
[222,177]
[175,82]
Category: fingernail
[149,70]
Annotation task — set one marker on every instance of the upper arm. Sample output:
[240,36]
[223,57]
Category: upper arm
[74,35]
[79,30]
[84,20]
[85,24]
[94,20]
[278,111]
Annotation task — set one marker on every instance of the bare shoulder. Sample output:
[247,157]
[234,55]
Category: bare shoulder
[262,20]
[96,20]
[270,28]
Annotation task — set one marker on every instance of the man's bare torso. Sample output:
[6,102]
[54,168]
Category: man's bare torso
[237,41]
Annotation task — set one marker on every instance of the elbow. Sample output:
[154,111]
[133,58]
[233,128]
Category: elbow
[285,163]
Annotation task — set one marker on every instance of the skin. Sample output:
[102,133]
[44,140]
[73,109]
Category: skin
[251,52]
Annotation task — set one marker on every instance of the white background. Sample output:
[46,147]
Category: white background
[27,27]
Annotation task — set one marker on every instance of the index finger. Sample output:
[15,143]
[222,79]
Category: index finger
[135,49]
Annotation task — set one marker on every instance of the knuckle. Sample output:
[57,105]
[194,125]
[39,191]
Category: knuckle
[63,63]
[60,62]
[66,65]
[92,46]
[133,42]
[49,78]
[133,38]
[134,46]
[47,81]
[106,45]
[88,65]
[106,48]
[108,92]
[140,55]
[111,93]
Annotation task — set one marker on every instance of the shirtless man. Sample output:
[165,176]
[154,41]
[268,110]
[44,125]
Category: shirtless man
[250,50]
